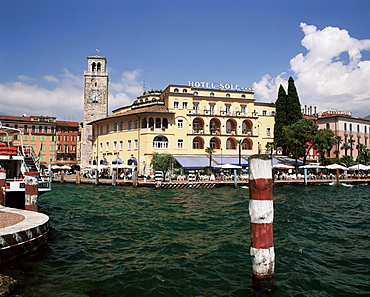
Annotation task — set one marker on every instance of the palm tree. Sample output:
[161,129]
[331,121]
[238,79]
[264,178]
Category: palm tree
[239,143]
[210,151]
[351,141]
[345,147]
[339,140]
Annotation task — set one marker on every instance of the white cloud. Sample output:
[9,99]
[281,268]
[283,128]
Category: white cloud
[125,91]
[323,77]
[65,101]
[51,78]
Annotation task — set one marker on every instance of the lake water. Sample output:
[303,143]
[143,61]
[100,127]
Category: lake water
[117,241]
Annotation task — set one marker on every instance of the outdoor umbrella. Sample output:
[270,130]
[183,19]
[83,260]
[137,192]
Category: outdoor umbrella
[311,166]
[229,166]
[358,167]
[336,166]
[282,166]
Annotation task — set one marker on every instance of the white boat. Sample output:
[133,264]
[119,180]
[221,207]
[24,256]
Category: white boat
[16,160]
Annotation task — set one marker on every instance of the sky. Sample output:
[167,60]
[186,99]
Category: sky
[323,45]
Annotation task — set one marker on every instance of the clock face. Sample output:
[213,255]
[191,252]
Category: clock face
[95,96]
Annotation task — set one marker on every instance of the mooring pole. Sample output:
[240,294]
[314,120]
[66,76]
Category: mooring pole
[31,180]
[261,212]
[2,186]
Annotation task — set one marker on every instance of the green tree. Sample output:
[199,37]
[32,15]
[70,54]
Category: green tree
[324,142]
[338,140]
[293,112]
[347,161]
[363,153]
[162,162]
[280,116]
[345,147]
[300,137]
[210,151]
[351,142]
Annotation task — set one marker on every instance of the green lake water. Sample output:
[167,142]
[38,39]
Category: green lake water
[119,241]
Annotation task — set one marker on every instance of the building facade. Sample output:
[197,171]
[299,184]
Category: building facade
[54,142]
[183,121]
[353,131]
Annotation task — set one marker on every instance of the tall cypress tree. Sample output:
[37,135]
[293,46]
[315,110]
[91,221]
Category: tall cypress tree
[280,117]
[293,111]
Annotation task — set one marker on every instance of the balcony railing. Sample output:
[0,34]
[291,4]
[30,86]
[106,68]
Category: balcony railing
[222,113]
[160,144]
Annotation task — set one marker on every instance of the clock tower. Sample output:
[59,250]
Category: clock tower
[95,102]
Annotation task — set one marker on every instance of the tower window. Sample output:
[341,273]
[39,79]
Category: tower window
[93,66]
[99,67]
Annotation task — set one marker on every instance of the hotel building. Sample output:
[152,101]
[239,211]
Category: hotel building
[183,120]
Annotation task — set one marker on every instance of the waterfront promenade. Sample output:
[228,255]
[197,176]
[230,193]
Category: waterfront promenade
[218,183]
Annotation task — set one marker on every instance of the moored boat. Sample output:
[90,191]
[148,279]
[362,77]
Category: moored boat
[16,161]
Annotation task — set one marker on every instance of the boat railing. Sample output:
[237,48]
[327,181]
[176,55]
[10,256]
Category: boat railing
[28,151]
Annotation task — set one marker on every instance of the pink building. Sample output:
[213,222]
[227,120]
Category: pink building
[353,131]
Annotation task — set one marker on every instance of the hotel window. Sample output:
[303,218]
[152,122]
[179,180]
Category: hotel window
[195,93]
[227,95]
[184,90]
[33,137]
[180,124]
[100,147]
[158,122]
[121,126]
[212,94]
[121,145]
[185,104]
[101,130]
[42,138]
[128,144]
[196,144]
[46,129]
[176,90]
[52,130]
[25,129]
[176,104]
[264,112]
[136,124]
[136,144]
[345,126]
[243,96]
[66,148]
[52,148]
[129,125]
[107,146]
[268,132]
[228,109]
[115,127]
[66,138]
[212,108]
[107,129]
[33,129]
[40,129]
[15,126]
[180,143]
[327,126]
[25,137]
[242,109]
[196,107]
[114,145]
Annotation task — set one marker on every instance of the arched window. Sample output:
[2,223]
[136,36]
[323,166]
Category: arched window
[176,103]
[227,95]
[151,122]
[195,93]
[93,66]
[115,127]
[129,125]
[40,129]
[52,131]
[160,142]
[176,90]
[198,143]
[165,123]
[212,94]
[215,143]
[230,144]
[243,96]
[184,90]
[98,67]
[25,129]
[136,124]
[144,123]
[247,144]
[327,126]
[157,122]
[247,127]
[33,129]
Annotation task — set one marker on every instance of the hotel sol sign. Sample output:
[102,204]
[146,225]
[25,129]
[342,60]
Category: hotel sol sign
[218,86]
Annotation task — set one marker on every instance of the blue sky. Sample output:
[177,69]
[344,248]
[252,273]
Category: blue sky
[323,45]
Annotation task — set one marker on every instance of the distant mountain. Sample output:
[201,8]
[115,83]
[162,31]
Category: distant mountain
[368,117]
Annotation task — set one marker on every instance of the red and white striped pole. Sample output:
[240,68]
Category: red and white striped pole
[261,211]
[31,190]
[2,186]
